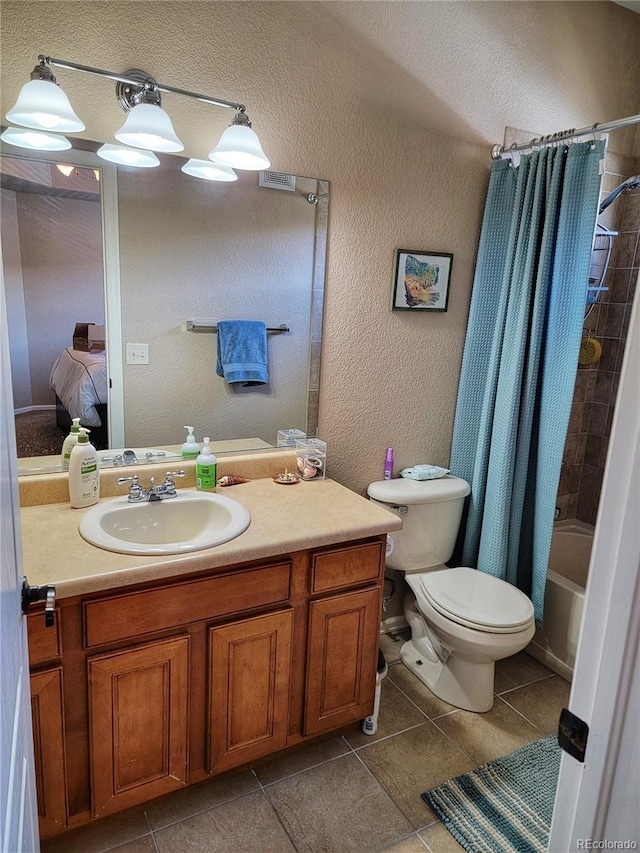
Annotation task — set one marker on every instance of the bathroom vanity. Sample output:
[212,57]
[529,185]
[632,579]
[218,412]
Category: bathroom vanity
[161,672]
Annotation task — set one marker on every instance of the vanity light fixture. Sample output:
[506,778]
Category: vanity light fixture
[147,126]
[239,146]
[35,139]
[122,155]
[43,105]
[209,171]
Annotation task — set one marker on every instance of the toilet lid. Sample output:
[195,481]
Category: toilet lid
[472,598]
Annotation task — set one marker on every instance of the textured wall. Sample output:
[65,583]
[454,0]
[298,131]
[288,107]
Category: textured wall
[61,272]
[403,138]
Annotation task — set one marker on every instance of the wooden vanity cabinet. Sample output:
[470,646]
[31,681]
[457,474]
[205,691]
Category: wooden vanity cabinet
[168,683]
[248,707]
[48,723]
[138,723]
[344,627]
[342,659]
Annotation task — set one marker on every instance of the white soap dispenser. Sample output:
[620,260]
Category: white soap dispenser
[84,473]
[190,448]
[206,465]
[69,443]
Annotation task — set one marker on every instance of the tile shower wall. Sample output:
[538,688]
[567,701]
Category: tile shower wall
[596,385]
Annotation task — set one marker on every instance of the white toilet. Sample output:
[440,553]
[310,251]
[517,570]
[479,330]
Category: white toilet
[462,621]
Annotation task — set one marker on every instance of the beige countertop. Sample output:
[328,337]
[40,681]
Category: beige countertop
[284,519]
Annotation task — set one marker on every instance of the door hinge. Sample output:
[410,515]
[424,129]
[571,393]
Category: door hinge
[572,734]
[47,593]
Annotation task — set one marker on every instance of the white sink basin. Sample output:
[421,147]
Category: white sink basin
[188,522]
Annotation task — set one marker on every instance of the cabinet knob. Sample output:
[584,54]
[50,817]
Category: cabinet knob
[46,593]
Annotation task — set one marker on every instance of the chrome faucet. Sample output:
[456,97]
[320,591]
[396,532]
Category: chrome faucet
[153,493]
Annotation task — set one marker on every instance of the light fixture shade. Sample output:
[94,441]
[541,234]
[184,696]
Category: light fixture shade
[148,126]
[66,169]
[35,139]
[209,171]
[239,147]
[43,105]
[124,156]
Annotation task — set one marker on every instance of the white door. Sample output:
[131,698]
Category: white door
[597,802]
[17,772]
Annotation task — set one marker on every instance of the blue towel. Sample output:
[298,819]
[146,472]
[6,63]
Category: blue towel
[242,352]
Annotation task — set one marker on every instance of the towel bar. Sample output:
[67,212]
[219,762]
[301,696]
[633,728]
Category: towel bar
[203,327]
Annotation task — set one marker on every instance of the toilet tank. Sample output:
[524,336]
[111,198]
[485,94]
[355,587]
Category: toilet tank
[430,511]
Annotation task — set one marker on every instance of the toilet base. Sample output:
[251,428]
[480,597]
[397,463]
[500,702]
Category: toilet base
[464,683]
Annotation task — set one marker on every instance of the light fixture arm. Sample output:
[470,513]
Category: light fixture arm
[137,84]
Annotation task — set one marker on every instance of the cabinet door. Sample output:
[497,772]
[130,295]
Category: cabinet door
[341,659]
[48,747]
[249,664]
[138,723]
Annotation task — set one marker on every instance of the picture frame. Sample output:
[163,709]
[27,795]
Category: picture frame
[421,280]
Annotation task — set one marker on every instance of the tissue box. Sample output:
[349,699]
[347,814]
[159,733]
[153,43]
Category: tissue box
[88,337]
[288,437]
[311,459]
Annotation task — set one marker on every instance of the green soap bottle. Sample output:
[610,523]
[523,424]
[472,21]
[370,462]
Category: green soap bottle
[190,448]
[69,443]
[206,464]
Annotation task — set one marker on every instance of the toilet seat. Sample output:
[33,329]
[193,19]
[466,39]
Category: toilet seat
[477,600]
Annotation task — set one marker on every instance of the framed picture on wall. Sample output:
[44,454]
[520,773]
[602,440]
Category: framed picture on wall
[421,280]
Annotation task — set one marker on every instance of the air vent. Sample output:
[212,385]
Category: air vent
[277,181]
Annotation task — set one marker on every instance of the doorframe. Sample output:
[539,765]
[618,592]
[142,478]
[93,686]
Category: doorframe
[112,302]
[18,798]
[111,272]
[605,687]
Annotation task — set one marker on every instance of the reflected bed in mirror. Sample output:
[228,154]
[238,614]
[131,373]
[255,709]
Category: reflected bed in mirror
[187,249]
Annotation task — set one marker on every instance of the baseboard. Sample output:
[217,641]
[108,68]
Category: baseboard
[550,660]
[26,409]
[392,624]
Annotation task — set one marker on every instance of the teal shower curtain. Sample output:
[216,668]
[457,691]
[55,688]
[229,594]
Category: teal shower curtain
[520,358]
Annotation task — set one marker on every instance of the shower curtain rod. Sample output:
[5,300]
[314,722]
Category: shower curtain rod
[498,150]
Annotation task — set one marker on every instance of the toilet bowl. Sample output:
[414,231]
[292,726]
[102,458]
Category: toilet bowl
[462,621]
[468,647]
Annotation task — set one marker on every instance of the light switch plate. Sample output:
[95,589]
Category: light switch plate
[137,353]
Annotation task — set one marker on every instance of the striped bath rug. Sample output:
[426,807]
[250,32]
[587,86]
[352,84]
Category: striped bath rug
[504,806]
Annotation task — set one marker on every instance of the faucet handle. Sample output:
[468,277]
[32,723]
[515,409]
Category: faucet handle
[135,489]
[169,486]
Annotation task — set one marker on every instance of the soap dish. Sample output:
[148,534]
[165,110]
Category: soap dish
[286,479]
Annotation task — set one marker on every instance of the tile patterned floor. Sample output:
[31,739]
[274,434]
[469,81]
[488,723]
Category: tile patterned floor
[350,793]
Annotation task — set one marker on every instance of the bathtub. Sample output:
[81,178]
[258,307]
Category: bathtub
[556,642]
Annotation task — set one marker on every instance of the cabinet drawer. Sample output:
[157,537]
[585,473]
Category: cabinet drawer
[344,567]
[44,643]
[145,611]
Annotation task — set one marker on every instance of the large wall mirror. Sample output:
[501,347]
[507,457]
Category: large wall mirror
[148,252]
